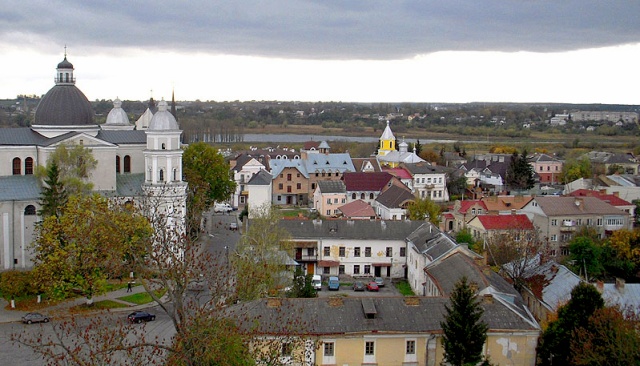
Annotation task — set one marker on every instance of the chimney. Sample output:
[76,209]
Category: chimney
[487,299]
[600,286]
[274,302]
[412,301]
[619,284]
[616,194]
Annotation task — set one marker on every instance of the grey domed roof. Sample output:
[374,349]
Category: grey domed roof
[64,105]
[117,116]
[65,64]
[163,119]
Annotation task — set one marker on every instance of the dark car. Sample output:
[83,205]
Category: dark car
[379,281]
[372,286]
[140,316]
[29,318]
[359,286]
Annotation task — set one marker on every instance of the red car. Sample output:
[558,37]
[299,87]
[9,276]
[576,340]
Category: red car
[372,286]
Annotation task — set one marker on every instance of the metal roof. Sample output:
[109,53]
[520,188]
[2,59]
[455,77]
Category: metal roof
[19,188]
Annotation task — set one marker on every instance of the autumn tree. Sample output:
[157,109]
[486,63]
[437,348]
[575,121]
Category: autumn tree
[586,257]
[622,252]
[554,344]
[464,333]
[75,165]
[87,244]
[576,169]
[609,338]
[424,209]
[207,174]
[262,255]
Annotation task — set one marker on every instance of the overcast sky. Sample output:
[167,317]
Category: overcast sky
[575,51]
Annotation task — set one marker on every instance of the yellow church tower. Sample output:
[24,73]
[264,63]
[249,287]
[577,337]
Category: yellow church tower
[387,142]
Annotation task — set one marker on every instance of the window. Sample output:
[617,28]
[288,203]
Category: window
[361,196]
[328,201]
[328,212]
[127,164]
[370,196]
[329,348]
[564,251]
[28,166]
[310,252]
[367,251]
[554,237]
[279,198]
[599,222]
[288,189]
[161,176]
[356,269]
[341,269]
[353,196]
[164,147]
[298,175]
[403,252]
[326,270]
[341,251]
[579,222]
[313,186]
[30,210]
[389,252]
[288,177]
[17,169]
[356,251]
[589,222]
[117,164]
[344,200]
[367,269]
[369,348]
[554,222]
[411,347]
[327,251]
[335,200]
[299,186]
[286,349]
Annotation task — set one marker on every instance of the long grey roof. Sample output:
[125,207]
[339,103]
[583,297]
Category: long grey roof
[123,137]
[575,206]
[331,186]
[19,188]
[429,240]
[326,316]
[350,229]
[394,197]
[261,178]
[21,136]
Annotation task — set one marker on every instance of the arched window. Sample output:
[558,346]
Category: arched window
[28,166]
[175,175]
[16,166]
[30,210]
[117,164]
[127,164]
[370,196]
[361,196]
[353,196]
[66,77]
[161,179]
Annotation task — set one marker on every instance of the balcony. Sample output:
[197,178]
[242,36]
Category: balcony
[306,257]
[568,226]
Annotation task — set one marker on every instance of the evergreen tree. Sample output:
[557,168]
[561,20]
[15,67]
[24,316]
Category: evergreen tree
[464,333]
[520,172]
[554,347]
[417,147]
[53,196]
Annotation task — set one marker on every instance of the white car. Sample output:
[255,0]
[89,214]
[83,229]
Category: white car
[222,207]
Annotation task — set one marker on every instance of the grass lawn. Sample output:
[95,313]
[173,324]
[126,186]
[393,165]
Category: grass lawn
[100,305]
[142,297]
[404,288]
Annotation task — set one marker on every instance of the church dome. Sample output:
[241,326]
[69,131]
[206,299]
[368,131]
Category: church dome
[64,105]
[117,116]
[163,119]
[65,64]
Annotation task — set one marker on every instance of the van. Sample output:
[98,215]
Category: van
[317,282]
[334,283]
[222,207]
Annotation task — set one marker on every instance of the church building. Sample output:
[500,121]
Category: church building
[132,163]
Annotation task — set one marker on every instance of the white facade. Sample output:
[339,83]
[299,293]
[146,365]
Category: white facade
[363,258]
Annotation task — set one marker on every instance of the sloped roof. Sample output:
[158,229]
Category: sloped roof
[325,316]
[394,197]
[505,222]
[278,165]
[466,205]
[429,240]
[349,229]
[627,296]
[21,136]
[400,173]
[129,185]
[331,186]
[357,208]
[308,145]
[261,178]
[423,168]
[551,283]
[360,163]
[19,188]
[556,206]
[609,198]
[503,203]
[123,137]
[366,181]
[339,162]
[541,158]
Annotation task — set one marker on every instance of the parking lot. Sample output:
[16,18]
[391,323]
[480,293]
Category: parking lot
[346,289]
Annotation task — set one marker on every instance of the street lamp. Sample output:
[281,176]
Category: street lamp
[226,250]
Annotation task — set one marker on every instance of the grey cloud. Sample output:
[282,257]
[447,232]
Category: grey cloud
[329,29]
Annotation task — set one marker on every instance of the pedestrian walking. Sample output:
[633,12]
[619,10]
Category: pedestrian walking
[129,287]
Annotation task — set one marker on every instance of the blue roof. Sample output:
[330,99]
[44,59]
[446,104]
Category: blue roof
[19,188]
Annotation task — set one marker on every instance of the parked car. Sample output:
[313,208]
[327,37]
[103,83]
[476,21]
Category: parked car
[317,282]
[233,226]
[334,283]
[222,207]
[29,318]
[140,316]
[372,286]
[359,286]
[379,281]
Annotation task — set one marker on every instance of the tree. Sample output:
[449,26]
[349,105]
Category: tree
[610,338]
[464,332]
[586,257]
[520,172]
[417,147]
[464,236]
[260,261]
[208,176]
[423,209]
[302,285]
[429,155]
[75,164]
[457,186]
[576,169]
[53,197]
[554,344]
[88,243]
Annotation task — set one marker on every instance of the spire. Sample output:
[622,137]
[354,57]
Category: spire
[173,104]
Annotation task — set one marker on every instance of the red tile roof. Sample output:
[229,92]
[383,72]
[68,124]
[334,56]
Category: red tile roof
[399,172]
[505,222]
[366,181]
[611,199]
[358,208]
[466,205]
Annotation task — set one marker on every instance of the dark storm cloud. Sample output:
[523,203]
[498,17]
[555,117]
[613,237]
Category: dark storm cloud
[327,29]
